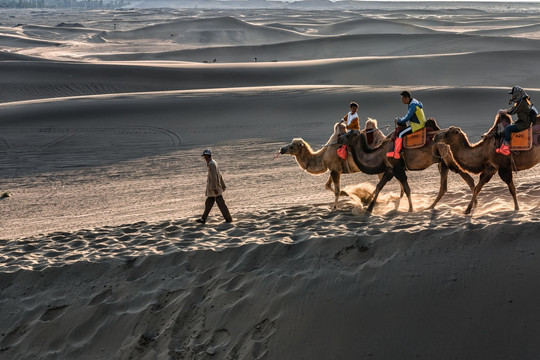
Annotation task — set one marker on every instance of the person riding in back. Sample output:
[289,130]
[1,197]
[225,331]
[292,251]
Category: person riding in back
[413,121]
[526,113]
[374,135]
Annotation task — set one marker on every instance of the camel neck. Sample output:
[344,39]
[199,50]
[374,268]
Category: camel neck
[312,162]
[470,157]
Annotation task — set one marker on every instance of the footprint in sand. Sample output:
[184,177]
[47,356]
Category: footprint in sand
[53,312]
[13,337]
[98,299]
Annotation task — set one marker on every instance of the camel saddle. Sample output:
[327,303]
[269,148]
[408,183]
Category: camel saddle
[418,139]
[521,141]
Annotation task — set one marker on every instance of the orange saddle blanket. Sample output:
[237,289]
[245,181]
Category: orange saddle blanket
[415,140]
[522,140]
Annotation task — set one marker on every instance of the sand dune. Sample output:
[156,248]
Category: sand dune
[337,47]
[205,32]
[372,26]
[60,79]
[410,294]
[20,41]
[530,31]
[58,32]
[103,118]
[6,55]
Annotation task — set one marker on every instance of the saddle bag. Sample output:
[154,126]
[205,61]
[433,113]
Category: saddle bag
[342,152]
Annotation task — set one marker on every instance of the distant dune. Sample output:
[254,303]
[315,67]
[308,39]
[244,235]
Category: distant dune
[208,32]
[13,41]
[372,26]
[59,79]
[338,47]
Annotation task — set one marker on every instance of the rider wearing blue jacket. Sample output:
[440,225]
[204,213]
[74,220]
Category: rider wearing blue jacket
[414,120]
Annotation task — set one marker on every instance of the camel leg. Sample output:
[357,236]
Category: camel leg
[400,174]
[506,176]
[336,178]
[387,176]
[380,176]
[470,181]
[443,188]
[465,176]
[328,184]
[484,179]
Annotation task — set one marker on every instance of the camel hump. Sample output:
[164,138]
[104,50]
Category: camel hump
[432,124]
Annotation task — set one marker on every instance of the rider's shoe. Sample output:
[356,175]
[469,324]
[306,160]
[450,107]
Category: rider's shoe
[504,150]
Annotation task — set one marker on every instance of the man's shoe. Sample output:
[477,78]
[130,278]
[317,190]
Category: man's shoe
[200,221]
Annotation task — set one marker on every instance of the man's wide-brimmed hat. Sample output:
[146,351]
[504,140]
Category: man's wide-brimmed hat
[206,152]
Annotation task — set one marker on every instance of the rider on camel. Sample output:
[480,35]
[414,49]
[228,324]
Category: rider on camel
[523,108]
[374,135]
[351,119]
[416,119]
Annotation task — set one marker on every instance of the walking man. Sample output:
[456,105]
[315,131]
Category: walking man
[215,186]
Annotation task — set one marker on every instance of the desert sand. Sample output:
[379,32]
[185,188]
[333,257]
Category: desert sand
[103,119]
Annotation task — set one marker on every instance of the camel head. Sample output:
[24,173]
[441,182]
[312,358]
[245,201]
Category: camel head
[295,147]
[348,138]
[502,119]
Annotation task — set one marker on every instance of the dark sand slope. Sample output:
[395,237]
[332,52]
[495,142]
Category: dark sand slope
[376,296]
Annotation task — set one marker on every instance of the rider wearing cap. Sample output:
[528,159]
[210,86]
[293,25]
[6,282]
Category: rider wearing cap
[215,186]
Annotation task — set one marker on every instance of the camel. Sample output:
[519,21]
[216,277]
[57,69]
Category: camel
[481,158]
[323,160]
[374,160]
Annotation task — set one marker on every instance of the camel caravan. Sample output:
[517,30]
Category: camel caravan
[417,143]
